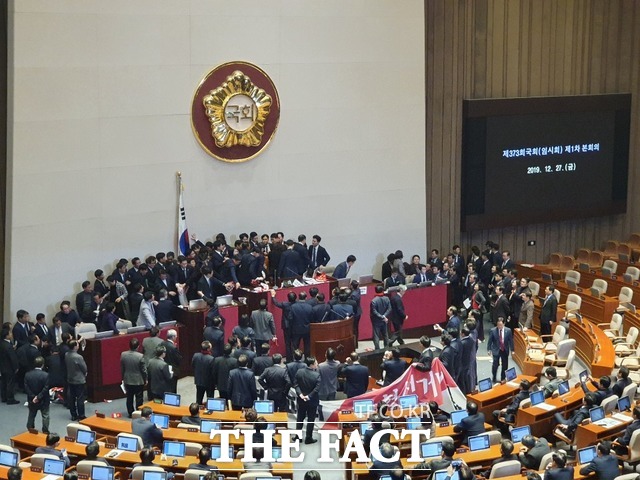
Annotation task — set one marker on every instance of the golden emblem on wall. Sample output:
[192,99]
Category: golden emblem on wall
[235,112]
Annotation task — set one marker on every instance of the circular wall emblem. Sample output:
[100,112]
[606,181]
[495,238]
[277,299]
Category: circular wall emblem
[235,112]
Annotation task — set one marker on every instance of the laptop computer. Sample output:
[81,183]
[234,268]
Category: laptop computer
[224,300]
[172,399]
[276,452]
[365,279]
[53,467]
[127,443]
[518,433]
[160,421]
[174,449]
[102,472]
[563,387]
[85,437]
[485,384]
[8,459]
[363,407]
[457,416]
[571,284]
[216,451]
[536,397]
[408,401]
[429,450]
[413,423]
[344,282]
[147,475]
[263,406]
[170,323]
[216,404]
[585,455]
[207,425]
[195,305]
[596,414]
[510,374]
[443,475]
[624,404]
[479,442]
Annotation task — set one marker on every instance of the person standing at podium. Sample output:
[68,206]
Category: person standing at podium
[379,311]
[286,320]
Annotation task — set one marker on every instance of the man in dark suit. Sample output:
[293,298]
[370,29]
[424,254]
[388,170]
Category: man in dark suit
[507,415]
[222,367]
[289,262]
[500,344]
[559,469]
[202,363]
[173,358]
[275,380]
[342,269]
[286,320]
[356,376]
[57,330]
[446,457]
[242,385]
[36,386]
[604,465]
[85,305]
[447,355]
[41,329]
[394,280]
[621,443]
[22,328]
[147,430]
[398,315]
[467,376]
[392,366]
[134,375]
[52,443]
[77,378]
[622,381]
[159,374]
[548,310]
[9,367]
[307,385]
[384,466]
[379,311]
[318,255]
[164,308]
[303,252]
[427,354]
[501,308]
[262,362]
[484,273]
[507,263]
[568,426]
[532,452]
[208,285]
[215,335]
[301,318]
[471,425]
[166,282]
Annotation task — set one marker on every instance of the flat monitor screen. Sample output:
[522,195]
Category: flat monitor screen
[485,384]
[428,450]
[585,455]
[172,399]
[128,444]
[160,421]
[408,401]
[365,279]
[263,406]
[563,387]
[517,434]
[583,376]
[537,397]
[102,473]
[8,459]
[147,475]
[413,423]
[207,425]
[479,442]
[511,374]
[596,414]
[85,437]
[216,404]
[53,467]
[363,407]
[364,426]
[174,449]
[276,452]
[216,451]
[443,475]
[458,415]
[624,404]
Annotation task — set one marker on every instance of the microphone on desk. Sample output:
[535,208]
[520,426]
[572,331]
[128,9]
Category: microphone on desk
[295,274]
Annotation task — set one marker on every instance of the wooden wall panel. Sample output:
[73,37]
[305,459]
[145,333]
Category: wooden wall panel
[510,48]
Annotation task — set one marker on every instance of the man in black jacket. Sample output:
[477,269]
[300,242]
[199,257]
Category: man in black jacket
[471,425]
[446,457]
[36,386]
[275,380]
[286,320]
[9,367]
[392,366]
[604,465]
[307,386]
[532,451]
[215,335]
[568,427]
[202,363]
[222,366]
[143,427]
[242,385]
[356,376]
[501,418]
[173,358]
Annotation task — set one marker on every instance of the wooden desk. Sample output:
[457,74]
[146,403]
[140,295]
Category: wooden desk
[228,416]
[499,396]
[27,474]
[602,362]
[529,367]
[592,434]
[28,442]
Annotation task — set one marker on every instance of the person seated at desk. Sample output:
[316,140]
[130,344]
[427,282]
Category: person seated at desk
[259,465]
[604,465]
[506,455]
[622,381]
[147,456]
[557,469]
[398,474]
[204,455]
[551,374]
[621,444]
[446,457]
[384,465]
[568,427]
[473,424]
[260,425]
[508,414]
[14,473]
[532,451]
[52,443]
[93,450]
[603,388]
[392,366]
[438,415]
[194,415]
[147,430]
[376,425]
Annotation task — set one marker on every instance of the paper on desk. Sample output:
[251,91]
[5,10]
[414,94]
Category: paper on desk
[608,423]
[513,384]
[545,406]
[622,417]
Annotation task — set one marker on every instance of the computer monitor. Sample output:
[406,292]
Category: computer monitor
[536,397]
[583,266]
[172,399]
[583,376]
[365,279]
[263,406]
[596,414]
[174,449]
[485,384]
[595,292]
[207,425]
[102,472]
[147,475]
[160,421]
[479,442]
[571,284]
[510,374]
[563,387]
[216,404]
[127,443]
[428,450]
[547,277]
[344,282]
[363,407]
[518,433]
[408,401]
[85,437]
[606,272]
[364,426]
[624,404]
[444,475]
[271,426]
[457,416]
[413,423]
[585,455]
[276,452]
[216,451]
[53,467]
[8,459]
[384,477]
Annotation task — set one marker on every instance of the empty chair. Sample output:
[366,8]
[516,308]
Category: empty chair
[625,296]
[630,391]
[123,325]
[84,466]
[632,362]
[552,341]
[73,427]
[329,269]
[535,288]
[625,345]
[192,448]
[567,264]
[612,329]
[559,358]
[633,456]
[601,285]
[634,240]
[596,259]
[556,293]
[555,260]
[526,403]
[582,256]
[572,275]
[624,252]
[565,372]
[633,272]
[611,265]
[611,248]
[573,303]
[495,437]
[609,404]
[505,469]
[86,330]
[193,474]
[37,459]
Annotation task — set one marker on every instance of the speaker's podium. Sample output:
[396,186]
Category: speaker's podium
[336,334]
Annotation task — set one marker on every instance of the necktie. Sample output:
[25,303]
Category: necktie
[501,339]
[44,329]
[315,253]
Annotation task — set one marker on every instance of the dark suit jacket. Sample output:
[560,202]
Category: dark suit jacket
[308,383]
[8,359]
[379,468]
[303,261]
[322,257]
[292,369]
[159,376]
[357,379]
[208,287]
[565,473]
[484,274]
[447,357]
[261,363]
[549,309]
[394,370]
[36,384]
[532,458]
[173,357]
[275,380]
[133,368]
[341,270]
[470,426]
[493,343]
[289,263]
[501,309]
[222,366]
[147,430]
[321,312]
[39,331]
[216,337]
[626,438]
[241,387]
[394,282]
[20,335]
[619,386]
[202,369]
[605,467]
[164,311]
[302,316]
